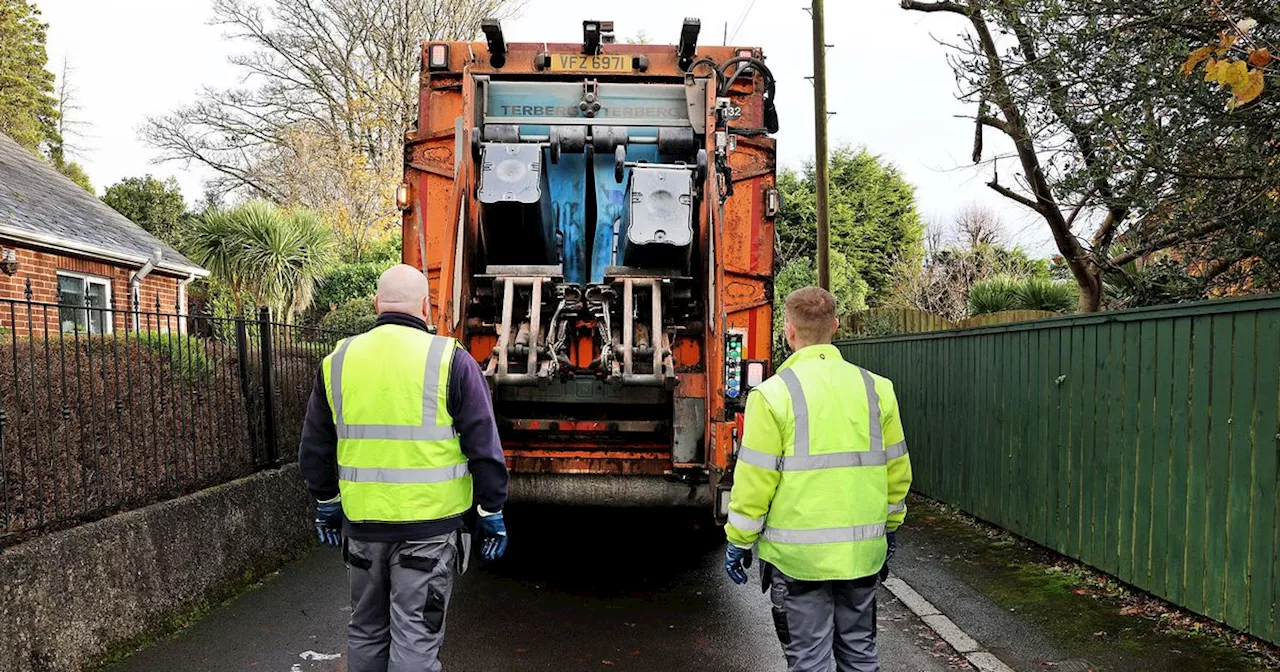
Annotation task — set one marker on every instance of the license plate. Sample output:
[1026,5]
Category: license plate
[580,63]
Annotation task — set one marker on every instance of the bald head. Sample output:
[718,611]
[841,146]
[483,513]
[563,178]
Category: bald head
[402,289]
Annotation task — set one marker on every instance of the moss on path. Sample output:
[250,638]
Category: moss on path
[1082,612]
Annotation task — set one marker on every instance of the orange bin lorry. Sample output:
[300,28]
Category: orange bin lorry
[596,222]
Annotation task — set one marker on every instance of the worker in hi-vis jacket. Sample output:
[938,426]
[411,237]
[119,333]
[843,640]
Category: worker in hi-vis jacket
[820,488]
[399,446]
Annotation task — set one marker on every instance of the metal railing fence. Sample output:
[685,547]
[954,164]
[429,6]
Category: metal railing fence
[104,410]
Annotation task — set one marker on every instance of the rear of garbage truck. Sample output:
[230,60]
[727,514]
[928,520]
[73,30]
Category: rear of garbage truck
[596,222]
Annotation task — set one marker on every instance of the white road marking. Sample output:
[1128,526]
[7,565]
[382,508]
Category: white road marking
[945,627]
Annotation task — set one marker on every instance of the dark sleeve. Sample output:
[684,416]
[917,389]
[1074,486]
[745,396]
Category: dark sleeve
[318,451]
[471,406]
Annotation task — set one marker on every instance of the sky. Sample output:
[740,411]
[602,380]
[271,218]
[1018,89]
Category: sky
[888,82]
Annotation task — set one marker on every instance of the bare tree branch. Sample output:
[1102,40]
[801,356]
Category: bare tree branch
[994,122]
[329,89]
[940,6]
[1013,195]
[1080,207]
[1166,242]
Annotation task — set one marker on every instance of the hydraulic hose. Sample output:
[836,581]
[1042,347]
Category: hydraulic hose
[703,61]
[726,81]
[771,86]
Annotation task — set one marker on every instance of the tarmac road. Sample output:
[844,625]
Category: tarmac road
[580,589]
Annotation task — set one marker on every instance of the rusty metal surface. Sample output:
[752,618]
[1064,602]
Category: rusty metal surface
[557,425]
[606,490]
[520,55]
[587,462]
[583,391]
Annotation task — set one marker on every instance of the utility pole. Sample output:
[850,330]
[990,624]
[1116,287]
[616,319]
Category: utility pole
[820,138]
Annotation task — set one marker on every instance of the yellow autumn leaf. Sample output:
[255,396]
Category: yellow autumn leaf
[1235,74]
[1196,58]
[1248,90]
[1227,73]
[1211,69]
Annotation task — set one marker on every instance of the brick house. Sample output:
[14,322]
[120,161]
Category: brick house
[67,247]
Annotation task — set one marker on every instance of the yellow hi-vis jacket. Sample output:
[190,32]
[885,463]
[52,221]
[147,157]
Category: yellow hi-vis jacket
[823,471]
[399,458]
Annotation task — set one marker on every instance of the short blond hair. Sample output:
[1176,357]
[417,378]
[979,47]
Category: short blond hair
[812,311]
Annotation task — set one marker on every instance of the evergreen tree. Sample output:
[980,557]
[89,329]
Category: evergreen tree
[28,111]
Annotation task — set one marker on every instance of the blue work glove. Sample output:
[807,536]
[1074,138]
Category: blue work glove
[893,546]
[736,562]
[492,531]
[329,523]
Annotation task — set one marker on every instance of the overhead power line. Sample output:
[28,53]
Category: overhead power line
[742,19]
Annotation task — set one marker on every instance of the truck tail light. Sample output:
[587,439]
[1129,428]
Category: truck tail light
[772,202]
[755,374]
[438,57]
[403,196]
[746,53]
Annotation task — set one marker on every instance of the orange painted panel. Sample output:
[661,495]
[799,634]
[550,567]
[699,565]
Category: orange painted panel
[722,444]
[687,352]
[692,385]
[481,346]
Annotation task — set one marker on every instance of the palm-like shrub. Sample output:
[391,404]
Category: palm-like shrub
[262,253]
[1049,295]
[995,295]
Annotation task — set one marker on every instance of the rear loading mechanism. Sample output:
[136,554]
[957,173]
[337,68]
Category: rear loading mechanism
[625,317]
[588,225]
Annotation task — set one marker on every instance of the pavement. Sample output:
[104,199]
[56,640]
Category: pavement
[1016,600]
[580,589]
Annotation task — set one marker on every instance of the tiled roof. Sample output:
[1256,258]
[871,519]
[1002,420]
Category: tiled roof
[40,205]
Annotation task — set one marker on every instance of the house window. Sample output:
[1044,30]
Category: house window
[75,291]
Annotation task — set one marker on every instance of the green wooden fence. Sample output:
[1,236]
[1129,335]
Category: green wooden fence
[1141,442]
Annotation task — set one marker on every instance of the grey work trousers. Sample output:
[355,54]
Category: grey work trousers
[817,620]
[399,594]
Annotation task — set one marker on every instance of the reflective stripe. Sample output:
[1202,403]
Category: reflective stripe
[744,523]
[811,462]
[897,450]
[756,458]
[873,402]
[427,431]
[403,476]
[833,461]
[396,432]
[799,408]
[335,376]
[431,382]
[829,535]
[897,508]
